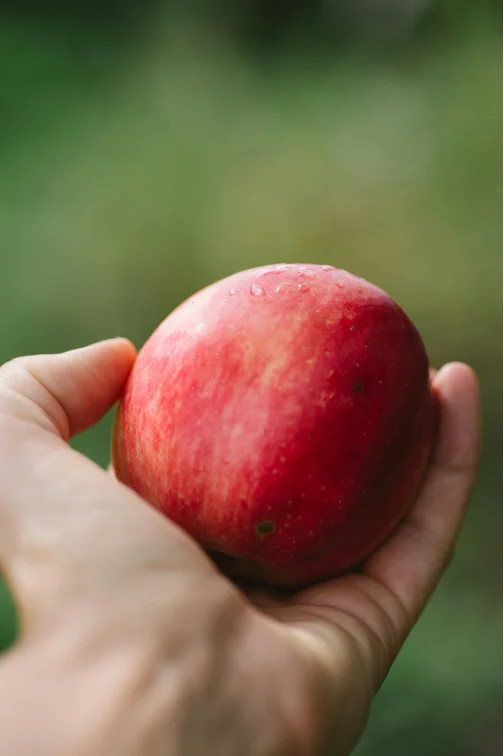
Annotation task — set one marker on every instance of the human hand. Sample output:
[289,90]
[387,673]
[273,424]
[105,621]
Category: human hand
[132,643]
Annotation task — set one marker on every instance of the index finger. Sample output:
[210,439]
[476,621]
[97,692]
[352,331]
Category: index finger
[413,559]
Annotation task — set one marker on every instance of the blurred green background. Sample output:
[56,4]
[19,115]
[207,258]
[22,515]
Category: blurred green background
[145,153]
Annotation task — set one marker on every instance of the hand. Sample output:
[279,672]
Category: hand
[132,643]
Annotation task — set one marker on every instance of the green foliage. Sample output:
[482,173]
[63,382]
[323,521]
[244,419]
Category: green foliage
[8,619]
[133,178]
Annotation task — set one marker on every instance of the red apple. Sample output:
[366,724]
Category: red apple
[283,417]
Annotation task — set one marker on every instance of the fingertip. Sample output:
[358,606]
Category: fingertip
[458,374]
[113,358]
[124,349]
[125,352]
[74,388]
[121,342]
[456,386]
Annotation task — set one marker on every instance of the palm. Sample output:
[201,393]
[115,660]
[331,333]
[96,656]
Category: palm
[358,622]
[348,629]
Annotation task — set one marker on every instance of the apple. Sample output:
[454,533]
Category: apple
[284,418]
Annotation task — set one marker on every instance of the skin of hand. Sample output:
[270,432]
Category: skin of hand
[132,644]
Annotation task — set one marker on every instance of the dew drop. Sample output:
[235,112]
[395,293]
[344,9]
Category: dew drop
[303,287]
[306,272]
[281,287]
[256,291]
[233,291]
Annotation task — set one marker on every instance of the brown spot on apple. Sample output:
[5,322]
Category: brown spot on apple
[309,557]
[265,528]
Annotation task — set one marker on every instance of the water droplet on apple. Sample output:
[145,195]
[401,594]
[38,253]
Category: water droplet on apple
[306,272]
[256,291]
[282,286]
[233,291]
[303,287]
[327,267]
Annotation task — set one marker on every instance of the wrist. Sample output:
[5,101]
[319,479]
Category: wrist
[125,679]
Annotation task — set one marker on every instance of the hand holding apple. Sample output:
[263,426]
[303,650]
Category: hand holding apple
[130,632]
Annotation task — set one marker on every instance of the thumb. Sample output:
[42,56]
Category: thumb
[70,533]
[66,393]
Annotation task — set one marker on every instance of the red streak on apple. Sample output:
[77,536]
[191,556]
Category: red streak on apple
[283,417]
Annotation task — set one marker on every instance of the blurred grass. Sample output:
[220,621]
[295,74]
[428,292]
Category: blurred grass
[131,180]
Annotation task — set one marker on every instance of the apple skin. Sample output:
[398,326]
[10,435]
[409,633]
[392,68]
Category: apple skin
[284,418]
